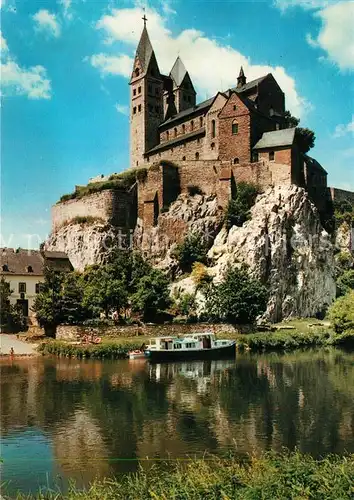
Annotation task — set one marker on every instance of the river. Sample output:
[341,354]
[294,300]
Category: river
[65,419]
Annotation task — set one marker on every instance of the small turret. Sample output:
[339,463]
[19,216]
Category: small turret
[241,80]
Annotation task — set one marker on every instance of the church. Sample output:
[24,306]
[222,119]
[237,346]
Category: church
[242,130]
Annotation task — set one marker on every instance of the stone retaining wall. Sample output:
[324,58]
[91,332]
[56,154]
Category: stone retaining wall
[71,332]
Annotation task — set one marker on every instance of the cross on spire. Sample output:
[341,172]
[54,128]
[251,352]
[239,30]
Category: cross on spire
[144,18]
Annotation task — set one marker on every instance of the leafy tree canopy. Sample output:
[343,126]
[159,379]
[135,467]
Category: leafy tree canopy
[192,249]
[341,313]
[305,137]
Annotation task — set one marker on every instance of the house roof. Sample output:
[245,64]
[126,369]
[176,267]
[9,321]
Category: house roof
[20,260]
[251,84]
[276,138]
[176,140]
[144,50]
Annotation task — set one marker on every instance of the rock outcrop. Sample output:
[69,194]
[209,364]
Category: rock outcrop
[287,248]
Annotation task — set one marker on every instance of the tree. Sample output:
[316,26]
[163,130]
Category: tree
[238,209]
[192,249]
[47,304]
[72,309]
[345,282]
[152,294]
[104,292]
[238,299]
[5,307]
[341,313]
[305,137]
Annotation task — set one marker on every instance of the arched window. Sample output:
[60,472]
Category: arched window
[212,145]
[213,128]
[192,125]
[183,129]
[167,135]
[197,156]
[29,269]
[175,131]
[234,127]
[5,268]
[137,72]
[236,161]
[201,121]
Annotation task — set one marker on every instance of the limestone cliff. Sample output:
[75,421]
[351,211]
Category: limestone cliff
[284,245]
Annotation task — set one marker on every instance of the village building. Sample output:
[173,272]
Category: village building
[24,269]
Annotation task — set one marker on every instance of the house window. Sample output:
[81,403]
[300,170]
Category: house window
[277,126]
[5,268]
[148,159]
[271,111]
[236,161]
[139,90]
[234,127]
[29,269]
[192,125]
[137,72]
[271,155]
[39,287]
[22,288]
[201,121]
[212,145]
[134,110]
[198,140]
[213,128]
[184,158]
[183,129]
[235,107]
[139,108]
[255,156]
[197,156]
[167,135]
[175,132]
[134,91]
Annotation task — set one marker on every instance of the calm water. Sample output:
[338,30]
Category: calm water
[63,419]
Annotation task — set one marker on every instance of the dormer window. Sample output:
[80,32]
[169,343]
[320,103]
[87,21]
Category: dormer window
[137,72]
[5,268]
[29,269]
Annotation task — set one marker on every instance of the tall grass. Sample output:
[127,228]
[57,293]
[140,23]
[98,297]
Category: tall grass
[273,476]
[109,350]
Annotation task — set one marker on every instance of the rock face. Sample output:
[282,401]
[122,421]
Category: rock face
[85,244]
[197,213]
[287,248]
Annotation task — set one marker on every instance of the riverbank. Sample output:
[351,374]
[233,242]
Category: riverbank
[297,334]
[20,348]
[272,476]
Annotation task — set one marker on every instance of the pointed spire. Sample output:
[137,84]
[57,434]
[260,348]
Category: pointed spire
[144,50]
[241,80]
[178,72]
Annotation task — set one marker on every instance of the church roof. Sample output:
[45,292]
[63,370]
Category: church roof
[190,111]
[250,85]
[178,72]
[276,138]
[176,140]
[144,50]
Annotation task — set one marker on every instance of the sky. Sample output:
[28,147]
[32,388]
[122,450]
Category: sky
[65,66]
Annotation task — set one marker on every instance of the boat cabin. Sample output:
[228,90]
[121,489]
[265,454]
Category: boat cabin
[191,342]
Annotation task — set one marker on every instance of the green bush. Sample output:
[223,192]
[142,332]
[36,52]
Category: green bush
[345,282]
[192,249]
[238,209]
[238,299]
[100,351]
[341,313]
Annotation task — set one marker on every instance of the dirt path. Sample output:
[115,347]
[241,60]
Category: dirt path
[20,348]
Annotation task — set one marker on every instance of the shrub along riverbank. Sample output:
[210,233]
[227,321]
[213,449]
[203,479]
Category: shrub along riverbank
[273,476]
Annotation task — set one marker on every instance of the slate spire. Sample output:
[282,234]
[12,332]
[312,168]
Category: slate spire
[144,50]
[241,80]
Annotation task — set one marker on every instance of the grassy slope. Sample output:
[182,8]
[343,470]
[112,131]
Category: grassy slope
[285,476]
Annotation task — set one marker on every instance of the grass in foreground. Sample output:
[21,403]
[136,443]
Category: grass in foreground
[273,476]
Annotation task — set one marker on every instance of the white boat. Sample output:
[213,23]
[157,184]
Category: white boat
[193,346]
[137,354]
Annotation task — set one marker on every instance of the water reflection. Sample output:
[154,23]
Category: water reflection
[96,418]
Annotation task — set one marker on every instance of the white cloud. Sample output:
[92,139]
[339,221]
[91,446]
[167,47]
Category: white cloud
[167,8]
[124,110]
[344,129]
[47,22]
[16,80]
[304,4]
[66,4]
[3,45]
[336,36]
[112,65]
[219,70]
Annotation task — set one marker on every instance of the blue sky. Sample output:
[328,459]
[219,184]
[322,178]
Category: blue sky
[65,69]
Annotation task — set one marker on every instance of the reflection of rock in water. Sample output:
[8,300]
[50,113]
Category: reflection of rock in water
[79,449]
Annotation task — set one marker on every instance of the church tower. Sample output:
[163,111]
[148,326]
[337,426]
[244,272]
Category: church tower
[183,90]
[146,101]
